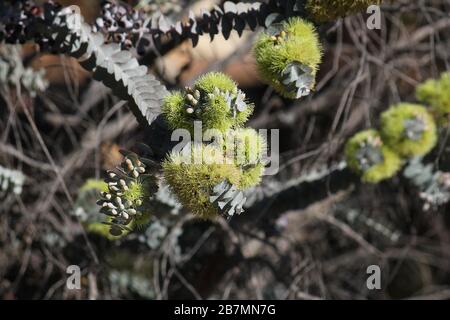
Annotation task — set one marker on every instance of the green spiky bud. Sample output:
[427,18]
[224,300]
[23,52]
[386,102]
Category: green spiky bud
[409,129]
[367,156]
[436,94]
[214,100]
[289,59]
[192,176]
[328,10]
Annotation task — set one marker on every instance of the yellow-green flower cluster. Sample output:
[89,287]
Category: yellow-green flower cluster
[192,182]
[214,100]
[407,130]
[289,59]
[328,10]
[195,171]
[368,156]
[209,179]
[247,148]
[436,94]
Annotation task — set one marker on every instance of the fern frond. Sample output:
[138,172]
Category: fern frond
[270,189]
[163,34]
[115,67]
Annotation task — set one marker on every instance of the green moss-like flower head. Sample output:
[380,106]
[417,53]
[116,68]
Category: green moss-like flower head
[436,94]
[367,156]
[208,83]
[289,59]
[214,100]
[194,172]
[127,200]
[409,129]
[246,148]
[328,10]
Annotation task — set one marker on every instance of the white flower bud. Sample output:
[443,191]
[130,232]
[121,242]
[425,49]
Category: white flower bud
[129,164]
[140,169]
[111,206]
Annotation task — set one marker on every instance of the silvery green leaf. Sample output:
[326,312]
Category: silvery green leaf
[274,29]
[227,199]
[414,128]
[298,78]
[240,103]
[434,186]
[271,18]
[368,156]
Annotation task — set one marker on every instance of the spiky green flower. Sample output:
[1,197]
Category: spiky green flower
[128,197]
[409,129]
[328,10]
[289,59]
[245,145]
[247,149]
[214,100]
[192,174]
[367,156]
[436,94]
